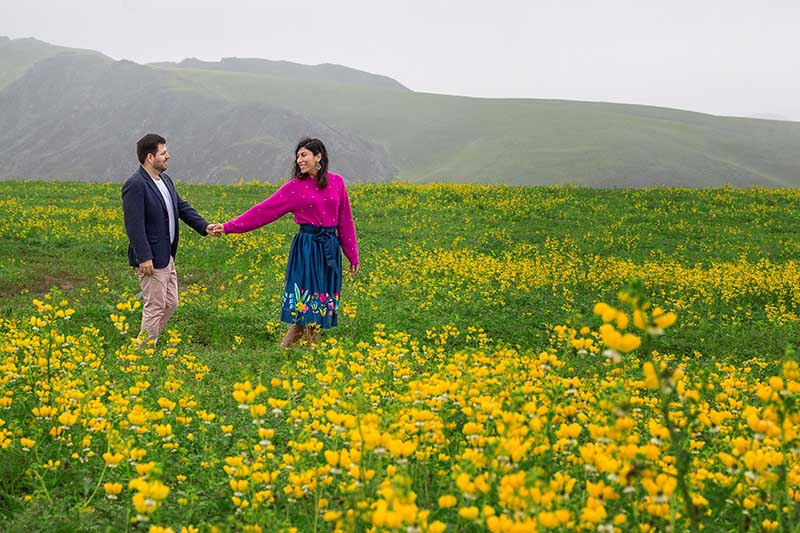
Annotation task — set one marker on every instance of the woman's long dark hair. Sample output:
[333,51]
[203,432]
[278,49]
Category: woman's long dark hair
[316,147]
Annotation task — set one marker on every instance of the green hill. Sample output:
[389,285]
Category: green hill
[448,138]
[78,117]
[324,73]
[18,55]
[239,118]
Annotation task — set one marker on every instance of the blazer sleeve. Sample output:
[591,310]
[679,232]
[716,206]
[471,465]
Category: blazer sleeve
[133,213]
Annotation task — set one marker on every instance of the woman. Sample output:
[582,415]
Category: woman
[318,199]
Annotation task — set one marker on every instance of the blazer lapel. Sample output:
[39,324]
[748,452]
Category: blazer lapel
[153,187]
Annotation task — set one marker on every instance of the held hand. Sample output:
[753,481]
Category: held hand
[146,267]
[354,269]
[215,230]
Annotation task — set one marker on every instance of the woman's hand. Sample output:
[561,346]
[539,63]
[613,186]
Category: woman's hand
[354,269]
[215,230]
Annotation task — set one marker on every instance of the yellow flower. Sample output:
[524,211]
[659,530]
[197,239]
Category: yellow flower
[639,319]
[446,501]
[569,431]
[582,344]
[663,320]
[663,485]
[650,376]
[145,468]
[468,513]
[113,459]
[67,419]
[594,512]
[437,527]
[137,454]
[617,341]
[605,311]
[112,489]
[238,485]
[149,496]
[629,343]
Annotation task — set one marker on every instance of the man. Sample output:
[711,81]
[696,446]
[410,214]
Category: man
[151,207]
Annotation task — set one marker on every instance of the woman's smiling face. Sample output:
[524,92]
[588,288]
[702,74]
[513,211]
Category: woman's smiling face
[307,161]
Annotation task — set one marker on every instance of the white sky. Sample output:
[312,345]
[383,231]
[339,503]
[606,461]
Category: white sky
[729,57]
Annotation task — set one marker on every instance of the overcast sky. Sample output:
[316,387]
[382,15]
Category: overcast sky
[729,57]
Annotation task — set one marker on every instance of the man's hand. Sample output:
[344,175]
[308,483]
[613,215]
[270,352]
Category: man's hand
[146,267]
[215,230]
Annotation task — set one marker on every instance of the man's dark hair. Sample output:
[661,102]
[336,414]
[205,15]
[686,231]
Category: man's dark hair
[148,145]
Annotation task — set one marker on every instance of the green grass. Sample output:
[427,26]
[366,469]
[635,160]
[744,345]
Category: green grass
[512,262]
[66,234]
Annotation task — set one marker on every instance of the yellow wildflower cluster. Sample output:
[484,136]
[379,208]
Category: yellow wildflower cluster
[509,439]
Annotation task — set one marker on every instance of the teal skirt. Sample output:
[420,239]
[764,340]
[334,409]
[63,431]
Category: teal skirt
[313,278]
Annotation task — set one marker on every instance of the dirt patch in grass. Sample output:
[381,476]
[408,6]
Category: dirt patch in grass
[36,270]
[39,283]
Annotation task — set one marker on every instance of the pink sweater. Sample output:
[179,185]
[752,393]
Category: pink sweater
[327,207]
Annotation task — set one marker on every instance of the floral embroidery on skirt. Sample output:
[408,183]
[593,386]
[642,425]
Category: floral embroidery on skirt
[311,292]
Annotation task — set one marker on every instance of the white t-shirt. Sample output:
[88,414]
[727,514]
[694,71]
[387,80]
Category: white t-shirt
[170,211]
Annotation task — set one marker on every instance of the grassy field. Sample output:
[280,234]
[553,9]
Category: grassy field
[474,382]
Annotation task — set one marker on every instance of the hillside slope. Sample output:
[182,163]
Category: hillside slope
[71,114]
[18,55]
[529,142]
[324,73]
[78,117]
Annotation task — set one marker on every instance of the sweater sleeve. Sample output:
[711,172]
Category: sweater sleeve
[263,213]
[347,229]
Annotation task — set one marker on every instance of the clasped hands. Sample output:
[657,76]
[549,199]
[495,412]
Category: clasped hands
[215,230]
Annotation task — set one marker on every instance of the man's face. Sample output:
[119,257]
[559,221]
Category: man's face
[160,158]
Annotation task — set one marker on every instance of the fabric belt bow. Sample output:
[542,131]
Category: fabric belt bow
[327,237]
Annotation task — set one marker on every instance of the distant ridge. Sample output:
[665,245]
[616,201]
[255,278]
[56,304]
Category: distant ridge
[324,73]
[771,116]
[71,114]
[17,55]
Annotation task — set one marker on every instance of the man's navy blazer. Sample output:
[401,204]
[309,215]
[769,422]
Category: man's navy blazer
[147,221]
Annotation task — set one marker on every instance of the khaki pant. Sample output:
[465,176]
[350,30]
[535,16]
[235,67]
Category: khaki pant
[160,294]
